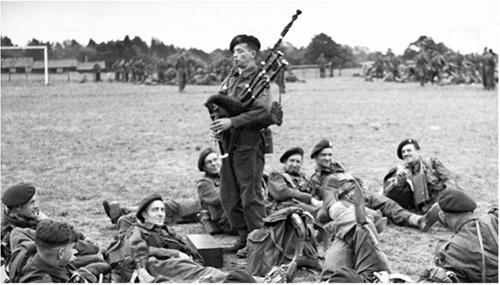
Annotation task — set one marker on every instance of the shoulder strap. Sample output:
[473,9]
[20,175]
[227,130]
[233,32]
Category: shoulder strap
[483,260]
[487,221]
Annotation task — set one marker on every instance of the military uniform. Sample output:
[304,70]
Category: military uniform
[437,178]
[209,193]
[156,249]
[241,172]
[180,211]
[39,271]
[374,201]
[287,189]
[9,222]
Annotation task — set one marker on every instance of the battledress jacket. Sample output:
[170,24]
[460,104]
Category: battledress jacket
[209,194]
[462,253]
[437,178]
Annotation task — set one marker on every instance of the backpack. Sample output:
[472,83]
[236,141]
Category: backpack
[285,237]
[18,259]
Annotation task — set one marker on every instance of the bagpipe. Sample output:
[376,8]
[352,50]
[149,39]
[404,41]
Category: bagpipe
[269,69]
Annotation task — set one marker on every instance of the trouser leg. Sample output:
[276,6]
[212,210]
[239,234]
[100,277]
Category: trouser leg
[183,270]
[390,209]
[248,168]
[368,257]
[230,196]
[338,254]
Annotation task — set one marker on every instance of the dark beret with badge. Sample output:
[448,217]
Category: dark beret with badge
[18,195]
[454,201]
[320,146]
[405,142]
[144,205]
[251,41]
[290,152]
[201,160]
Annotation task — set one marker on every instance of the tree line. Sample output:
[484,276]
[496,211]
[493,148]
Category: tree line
[342,56]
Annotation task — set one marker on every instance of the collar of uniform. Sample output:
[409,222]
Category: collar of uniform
[462,221]
[248,71]
[295,175]
[58,272]
[334,167]
[212,176]
[150,227]
[9,217]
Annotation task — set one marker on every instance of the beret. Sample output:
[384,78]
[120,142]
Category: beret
[405,142]
[201,160]
[290,152]
[454,201]
[18,195]
[145,203]
[54,233]
[320,146]
[250,40]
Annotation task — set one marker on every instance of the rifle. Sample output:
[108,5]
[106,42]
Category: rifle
[273,64]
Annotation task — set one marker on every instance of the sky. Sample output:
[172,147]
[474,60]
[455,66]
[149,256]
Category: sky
[463,25]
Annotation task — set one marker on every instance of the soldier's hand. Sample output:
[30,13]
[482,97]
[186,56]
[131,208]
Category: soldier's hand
[220,125]
[401,172]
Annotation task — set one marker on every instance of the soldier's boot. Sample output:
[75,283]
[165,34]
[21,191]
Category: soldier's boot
[112,210]
[432,216]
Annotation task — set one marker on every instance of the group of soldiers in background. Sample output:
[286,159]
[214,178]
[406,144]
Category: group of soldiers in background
[429,65]
[182,70]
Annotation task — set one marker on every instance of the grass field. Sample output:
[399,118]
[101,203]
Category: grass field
[82,143]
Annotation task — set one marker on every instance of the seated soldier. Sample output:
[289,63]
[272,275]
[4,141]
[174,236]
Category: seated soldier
[21,211]
[54,242]
[289,187]
[325,167]
[152,252]
[212,216]
[416,184]
[471,254]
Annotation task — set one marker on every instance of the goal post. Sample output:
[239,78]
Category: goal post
[45,58]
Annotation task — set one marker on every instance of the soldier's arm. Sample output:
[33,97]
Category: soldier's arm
[280,190]
[443,173]
[208,192]
[139,248]
[258,112]
[21,235]
[35,277]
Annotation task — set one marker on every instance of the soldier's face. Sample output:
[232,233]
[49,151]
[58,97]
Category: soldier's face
[410,153]
[155,213]
[28,210]
[212,163]
[293,164]
[66,253]
[324,157]
[243,56]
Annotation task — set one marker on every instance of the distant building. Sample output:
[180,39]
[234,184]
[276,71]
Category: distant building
[55,65]
[90,66]
[17,65]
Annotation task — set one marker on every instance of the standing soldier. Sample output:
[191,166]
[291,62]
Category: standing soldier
[322,65]
[182,71]
[330,66]
[97,72]
[242,138]
[471,254]
[116,69]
